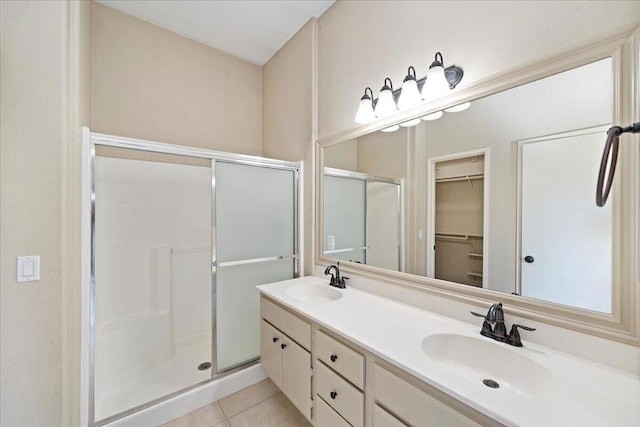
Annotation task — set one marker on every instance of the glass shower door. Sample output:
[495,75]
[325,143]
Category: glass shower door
[255,217]
[153,284]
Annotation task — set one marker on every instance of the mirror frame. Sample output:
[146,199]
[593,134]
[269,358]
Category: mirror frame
[623,324]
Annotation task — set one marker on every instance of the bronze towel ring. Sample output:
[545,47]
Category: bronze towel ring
[611,150]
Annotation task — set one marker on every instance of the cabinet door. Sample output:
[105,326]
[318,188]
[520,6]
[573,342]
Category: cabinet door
[412,404]
[270,352]
[296,376]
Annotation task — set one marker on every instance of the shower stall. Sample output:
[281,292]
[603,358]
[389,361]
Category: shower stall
[180,238]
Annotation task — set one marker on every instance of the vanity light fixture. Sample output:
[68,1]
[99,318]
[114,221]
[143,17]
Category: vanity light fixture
[390,128]
[413,92]
[458,108]
[410,95]
[365,112]
[386,104]
[432,116]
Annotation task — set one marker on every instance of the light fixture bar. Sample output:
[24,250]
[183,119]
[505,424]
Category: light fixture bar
[453,74]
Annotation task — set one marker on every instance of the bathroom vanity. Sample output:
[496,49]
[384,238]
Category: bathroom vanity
[348,357]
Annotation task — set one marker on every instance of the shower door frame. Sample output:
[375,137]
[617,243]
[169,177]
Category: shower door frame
[90,141]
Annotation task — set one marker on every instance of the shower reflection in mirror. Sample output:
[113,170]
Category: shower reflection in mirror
[360,211]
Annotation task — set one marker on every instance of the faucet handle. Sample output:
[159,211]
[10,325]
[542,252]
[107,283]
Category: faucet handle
[486,326]
[514,335]
[340,283]
[526,328]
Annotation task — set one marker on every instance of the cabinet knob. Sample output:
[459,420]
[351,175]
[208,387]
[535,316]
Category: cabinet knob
[333,394]
[282,346]
[275,339]
[334,357]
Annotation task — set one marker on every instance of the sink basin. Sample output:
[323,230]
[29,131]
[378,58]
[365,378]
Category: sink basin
[478,359]
[313,292]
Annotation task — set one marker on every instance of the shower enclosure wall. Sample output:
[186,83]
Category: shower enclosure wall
[180,239]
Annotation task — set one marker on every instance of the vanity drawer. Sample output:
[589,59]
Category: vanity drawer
[412,404]
[327,417]
[347,400]
[296,328]
[381,418]
[340,358]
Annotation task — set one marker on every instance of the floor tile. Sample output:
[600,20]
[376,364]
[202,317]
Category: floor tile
[223,424]
[207,416]
[245,399]
[277,411]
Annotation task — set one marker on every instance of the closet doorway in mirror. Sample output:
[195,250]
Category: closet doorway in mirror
[457,219]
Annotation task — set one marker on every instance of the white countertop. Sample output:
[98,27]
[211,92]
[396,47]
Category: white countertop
[576,393]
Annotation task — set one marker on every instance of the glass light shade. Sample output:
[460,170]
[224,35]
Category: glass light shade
[432,116]
[458,108]
[436,84]
[365,112]
[410,95]
[390,129]
[386,105]
[410,123]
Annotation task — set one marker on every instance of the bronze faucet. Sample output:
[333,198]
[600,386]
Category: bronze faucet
[495,316]
[336,281]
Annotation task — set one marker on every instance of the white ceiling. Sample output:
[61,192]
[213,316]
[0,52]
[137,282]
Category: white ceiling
[250,29]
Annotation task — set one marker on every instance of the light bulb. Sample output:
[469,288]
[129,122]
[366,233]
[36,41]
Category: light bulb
[436,84]
[410,95]
[410,123]
[390,128]
[365,112]
[458,108]
[386,105]
[432,116]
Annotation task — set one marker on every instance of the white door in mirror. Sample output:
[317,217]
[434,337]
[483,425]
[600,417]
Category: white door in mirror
[566,239]
[28,268]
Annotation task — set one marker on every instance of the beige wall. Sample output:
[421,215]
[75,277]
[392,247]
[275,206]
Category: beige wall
[289,126]
[151,83]
[362,42]
[384,154]
[342,156]
[35,140]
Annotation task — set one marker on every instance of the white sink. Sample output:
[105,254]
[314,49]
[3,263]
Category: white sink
[480,359]
[314,292]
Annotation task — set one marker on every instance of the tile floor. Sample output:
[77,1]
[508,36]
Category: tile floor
[262,405]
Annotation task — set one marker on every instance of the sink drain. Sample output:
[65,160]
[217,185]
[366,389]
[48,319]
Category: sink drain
[491,383]
[204,366]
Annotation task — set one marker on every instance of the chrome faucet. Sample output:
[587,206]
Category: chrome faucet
[495,316]
[336,281]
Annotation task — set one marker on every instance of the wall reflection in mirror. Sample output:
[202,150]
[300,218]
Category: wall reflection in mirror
[498,196]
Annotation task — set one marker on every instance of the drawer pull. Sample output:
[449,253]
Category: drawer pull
[275,339]
[282,346]
[334,357]
[333,395]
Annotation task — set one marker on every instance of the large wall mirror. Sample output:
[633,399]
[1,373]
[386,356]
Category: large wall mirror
[499,196]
